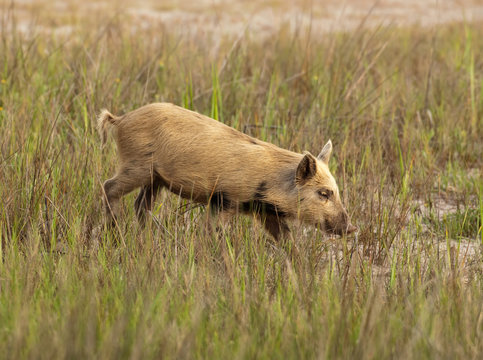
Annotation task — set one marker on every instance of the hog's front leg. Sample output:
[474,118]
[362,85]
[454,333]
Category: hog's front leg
[276,226]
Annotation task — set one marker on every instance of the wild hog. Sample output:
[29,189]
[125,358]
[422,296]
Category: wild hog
[165,146]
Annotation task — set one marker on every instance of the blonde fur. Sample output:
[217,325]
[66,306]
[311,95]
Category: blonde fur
[199,158]
[104,120]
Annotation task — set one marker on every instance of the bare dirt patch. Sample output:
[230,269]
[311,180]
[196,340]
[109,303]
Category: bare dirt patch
[232,17]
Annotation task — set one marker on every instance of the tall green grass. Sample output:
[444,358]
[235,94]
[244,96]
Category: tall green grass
[403,108]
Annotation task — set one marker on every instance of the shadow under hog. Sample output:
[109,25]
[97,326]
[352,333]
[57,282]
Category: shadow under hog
[162,145]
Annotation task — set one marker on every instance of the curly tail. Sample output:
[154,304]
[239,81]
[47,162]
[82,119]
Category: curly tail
[105,120]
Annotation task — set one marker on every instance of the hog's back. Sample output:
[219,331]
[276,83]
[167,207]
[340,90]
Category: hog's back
[198,153]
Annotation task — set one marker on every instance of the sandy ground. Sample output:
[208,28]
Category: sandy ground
[233,17]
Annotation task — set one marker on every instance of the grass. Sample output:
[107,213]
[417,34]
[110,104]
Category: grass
[403,108]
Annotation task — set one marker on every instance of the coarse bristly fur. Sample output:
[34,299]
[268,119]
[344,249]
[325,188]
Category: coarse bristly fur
[162,145]
[105,118]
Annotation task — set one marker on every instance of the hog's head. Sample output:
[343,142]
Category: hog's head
[318,194]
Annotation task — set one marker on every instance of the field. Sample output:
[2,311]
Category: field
[403,107]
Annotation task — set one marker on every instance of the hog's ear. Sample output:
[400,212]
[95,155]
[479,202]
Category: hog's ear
[306,169]
[325,153]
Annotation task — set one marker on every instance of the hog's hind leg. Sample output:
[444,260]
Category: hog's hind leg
[125,181]
[144,201]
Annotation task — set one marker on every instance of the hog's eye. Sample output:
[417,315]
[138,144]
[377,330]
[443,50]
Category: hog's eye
[325,194]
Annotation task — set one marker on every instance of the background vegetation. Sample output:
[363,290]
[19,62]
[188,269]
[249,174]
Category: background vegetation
[404,109]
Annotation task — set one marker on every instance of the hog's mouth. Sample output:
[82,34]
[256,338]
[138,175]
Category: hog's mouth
[338,229]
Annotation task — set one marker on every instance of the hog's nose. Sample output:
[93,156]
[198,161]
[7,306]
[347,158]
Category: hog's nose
[351,228]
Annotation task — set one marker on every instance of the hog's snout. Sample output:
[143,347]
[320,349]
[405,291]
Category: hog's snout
[351,228]
[341,225]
